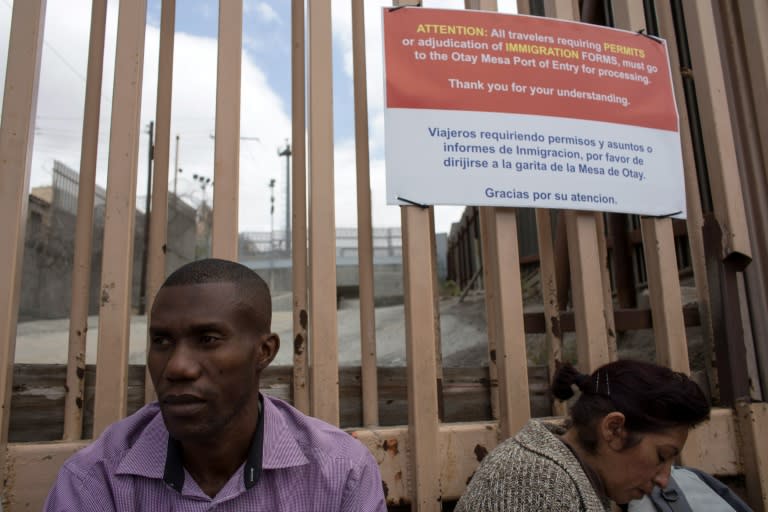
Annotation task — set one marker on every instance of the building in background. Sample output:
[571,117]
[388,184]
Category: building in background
[50,244]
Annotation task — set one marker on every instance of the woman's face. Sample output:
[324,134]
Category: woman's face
[630,473]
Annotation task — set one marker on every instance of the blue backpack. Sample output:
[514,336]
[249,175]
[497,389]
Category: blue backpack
[690,490]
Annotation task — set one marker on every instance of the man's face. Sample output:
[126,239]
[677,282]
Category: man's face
[205,356]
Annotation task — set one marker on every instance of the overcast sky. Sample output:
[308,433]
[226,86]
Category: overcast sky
[266,102]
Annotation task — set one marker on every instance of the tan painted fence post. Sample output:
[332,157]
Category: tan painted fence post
[722,167]
[695,220]
[323,329]
[511,358]
[364,229]
[605,280]
[488,238]
[158,221]
[74,400]
[421,346]
[501,265]
[753,16]
[716,127]
[659,250]
[549,285]
[584,255]
[488,232]
[226,160]
[116,275]
[752,419]
[299,213]
[16,129]
[548,278]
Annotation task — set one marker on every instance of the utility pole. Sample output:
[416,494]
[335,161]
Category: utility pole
[286,152]
[204,213]
[176,171]
[145,252]
[271,233]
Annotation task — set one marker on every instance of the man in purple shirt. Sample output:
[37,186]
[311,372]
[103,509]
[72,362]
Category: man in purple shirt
[212,441]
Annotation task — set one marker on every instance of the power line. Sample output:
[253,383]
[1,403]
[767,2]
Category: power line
[61,57]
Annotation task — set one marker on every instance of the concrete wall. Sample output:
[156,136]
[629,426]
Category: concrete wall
[49,253]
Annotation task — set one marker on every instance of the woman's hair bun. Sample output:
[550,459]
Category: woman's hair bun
[566,376]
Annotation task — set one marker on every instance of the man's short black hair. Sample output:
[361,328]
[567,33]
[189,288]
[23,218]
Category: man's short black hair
[252,290]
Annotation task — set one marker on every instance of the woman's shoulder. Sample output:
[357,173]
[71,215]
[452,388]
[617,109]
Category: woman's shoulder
[531,471]
[536,447]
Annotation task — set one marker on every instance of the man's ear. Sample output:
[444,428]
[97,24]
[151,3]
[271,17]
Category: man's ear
[613,431]
[267,348]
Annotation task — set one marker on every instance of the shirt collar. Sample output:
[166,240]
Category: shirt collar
[273,446]
[281,446]
[146,457]
[173,473]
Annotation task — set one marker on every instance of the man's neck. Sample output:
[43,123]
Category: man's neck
[211,463]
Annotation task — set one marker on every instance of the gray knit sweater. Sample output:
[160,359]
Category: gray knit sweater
[533,471]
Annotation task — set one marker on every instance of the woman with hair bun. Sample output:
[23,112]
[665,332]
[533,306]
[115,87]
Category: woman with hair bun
[625,430]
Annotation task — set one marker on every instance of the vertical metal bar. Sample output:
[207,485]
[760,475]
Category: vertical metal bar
[563,9]
[584,256]
[474,245]
[695,220]
[324,375]
[549,298]
[421,344]
[117,267]
[659,251]
[436,317]
[590,12]
[651,21]
[754,25]
[158,224]
[147,216]
[726,312]
[684,90]
[16,135]
[421,347]
[610,322]
[364,228]
[74,398]
[562,263]
[716,127]
[481,5]
[488,238]
[226,165]
[583,252]
[467,242]
[747,79]
[751,420]
[665,295]
[511,359]
[679,33]
[299,213]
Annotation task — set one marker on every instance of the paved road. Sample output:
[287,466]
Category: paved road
[462,327]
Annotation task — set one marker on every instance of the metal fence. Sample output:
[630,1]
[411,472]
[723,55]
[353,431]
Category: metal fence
[725,177]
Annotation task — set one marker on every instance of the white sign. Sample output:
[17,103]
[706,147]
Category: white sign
[503,110]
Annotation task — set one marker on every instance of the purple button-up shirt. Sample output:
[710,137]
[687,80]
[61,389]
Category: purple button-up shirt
[307,465]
